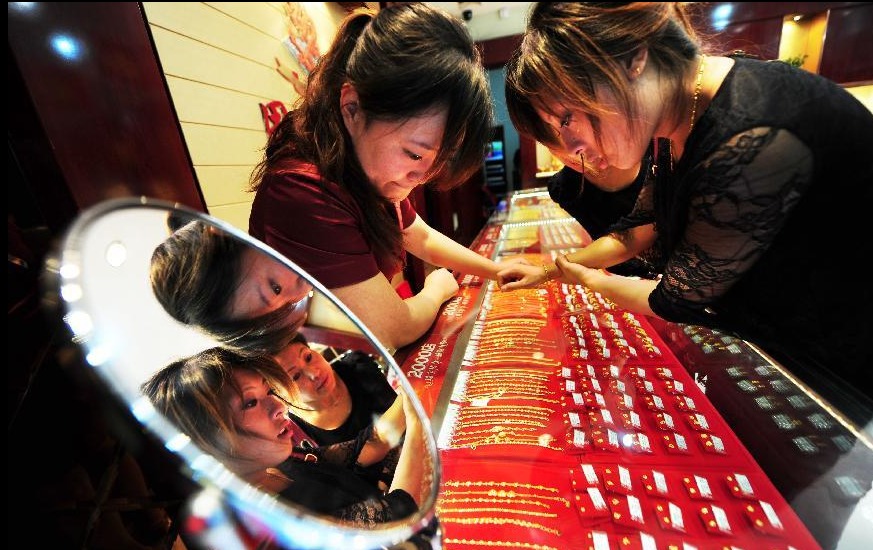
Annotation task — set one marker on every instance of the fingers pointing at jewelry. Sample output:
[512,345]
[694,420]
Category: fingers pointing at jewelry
[520,276]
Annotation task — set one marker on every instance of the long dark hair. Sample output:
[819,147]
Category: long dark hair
[569,48]
[403,61]
[189,393]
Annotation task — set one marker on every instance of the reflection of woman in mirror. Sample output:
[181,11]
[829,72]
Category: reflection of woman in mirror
[338,402]
[233,407]
[399,100]
[236,293]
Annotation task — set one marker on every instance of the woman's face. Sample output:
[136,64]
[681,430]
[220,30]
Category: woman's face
[396,156]
[310,372]
[266,285]
[261,417]
[620,146]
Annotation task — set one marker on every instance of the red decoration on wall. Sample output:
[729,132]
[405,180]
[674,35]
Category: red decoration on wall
[272,113]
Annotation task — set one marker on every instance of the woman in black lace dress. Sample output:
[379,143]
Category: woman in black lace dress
[756,217]
[234,407]
[344,405]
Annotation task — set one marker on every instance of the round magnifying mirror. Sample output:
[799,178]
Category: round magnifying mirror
[309,434]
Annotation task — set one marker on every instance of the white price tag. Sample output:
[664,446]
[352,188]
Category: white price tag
[660,482]
[703,486]
[676,516]
[575,420]
[624,478]
[590,474]
[744,484]
[600,540]
[771,515]
[596,498]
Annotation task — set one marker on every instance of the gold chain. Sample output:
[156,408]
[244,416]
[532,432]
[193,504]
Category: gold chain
[503,493]
[511,484]
[501,521]
[479,500]
[444,510]
[500,543]
[696,92]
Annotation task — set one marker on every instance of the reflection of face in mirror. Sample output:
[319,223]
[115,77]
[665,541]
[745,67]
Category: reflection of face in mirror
[342,401]
[265,286]
[234,406]
[235,293]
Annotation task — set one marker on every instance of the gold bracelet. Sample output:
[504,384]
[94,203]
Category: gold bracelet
[444,510]
[498,418]
[495,429]
[508,371]
[502,521]
[514,397]
[497,421]
[527,385]
[478,500]
[500,543]
[503,493]
[508,408]
[524,383]
[511,484]
[473,446]
[498,322]
[495,390]
[546,271]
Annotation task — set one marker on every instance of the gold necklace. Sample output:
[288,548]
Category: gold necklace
[501,521]
[697,87]
[488,483]
[500,543]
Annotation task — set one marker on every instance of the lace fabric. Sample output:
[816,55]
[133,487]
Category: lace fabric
[753,222]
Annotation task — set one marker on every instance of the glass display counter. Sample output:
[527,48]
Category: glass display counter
[566,422]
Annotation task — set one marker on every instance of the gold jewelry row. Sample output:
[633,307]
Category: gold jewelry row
[510,484]
[501,521]
[500,543]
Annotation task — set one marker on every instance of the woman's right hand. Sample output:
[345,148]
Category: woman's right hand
[442,282]
[521,276]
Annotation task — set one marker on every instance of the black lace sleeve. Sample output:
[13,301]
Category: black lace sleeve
[346,454]
[744,192]
[397,504]
[342,454]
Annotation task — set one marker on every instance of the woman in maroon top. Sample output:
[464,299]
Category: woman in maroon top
[399,100]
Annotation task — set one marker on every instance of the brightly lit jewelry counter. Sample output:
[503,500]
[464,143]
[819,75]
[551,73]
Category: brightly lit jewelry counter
[564,422]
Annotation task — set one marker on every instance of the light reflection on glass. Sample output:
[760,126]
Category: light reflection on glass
[721,16]
[67,47]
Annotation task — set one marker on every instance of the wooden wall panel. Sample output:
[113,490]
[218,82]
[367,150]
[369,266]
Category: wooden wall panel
[219,60]
[200,103]
[226,184]
[201,62]
[212,27]
[214,146]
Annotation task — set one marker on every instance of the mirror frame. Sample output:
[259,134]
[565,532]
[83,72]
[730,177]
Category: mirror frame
[261,513]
